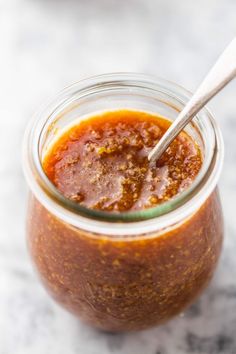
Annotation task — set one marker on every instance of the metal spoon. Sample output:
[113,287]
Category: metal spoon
[218,77]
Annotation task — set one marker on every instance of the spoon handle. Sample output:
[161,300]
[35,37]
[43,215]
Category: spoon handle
[219,76]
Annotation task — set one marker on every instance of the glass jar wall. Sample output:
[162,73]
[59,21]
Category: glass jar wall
[131,270]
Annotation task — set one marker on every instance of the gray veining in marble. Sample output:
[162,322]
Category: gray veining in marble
[48,44]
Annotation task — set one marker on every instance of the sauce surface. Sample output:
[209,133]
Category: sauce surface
[102,162]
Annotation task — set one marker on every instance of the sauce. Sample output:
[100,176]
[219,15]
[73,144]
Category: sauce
[102,162]
[124,283]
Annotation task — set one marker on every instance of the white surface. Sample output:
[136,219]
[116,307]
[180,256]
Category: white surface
[48,44]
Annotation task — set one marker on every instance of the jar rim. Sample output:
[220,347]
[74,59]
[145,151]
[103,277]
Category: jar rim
[125,223]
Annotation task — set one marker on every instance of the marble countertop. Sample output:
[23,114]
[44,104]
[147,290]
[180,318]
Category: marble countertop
[48,44]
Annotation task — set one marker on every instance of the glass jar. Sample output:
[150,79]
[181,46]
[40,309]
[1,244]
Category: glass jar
[131,270]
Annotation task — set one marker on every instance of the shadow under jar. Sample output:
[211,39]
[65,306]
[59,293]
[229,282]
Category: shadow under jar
[131,270]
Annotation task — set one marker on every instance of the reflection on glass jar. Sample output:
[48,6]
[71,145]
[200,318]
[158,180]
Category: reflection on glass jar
[124,271]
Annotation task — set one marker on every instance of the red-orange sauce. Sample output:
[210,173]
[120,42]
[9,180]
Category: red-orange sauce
[102,162]
[124,283]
